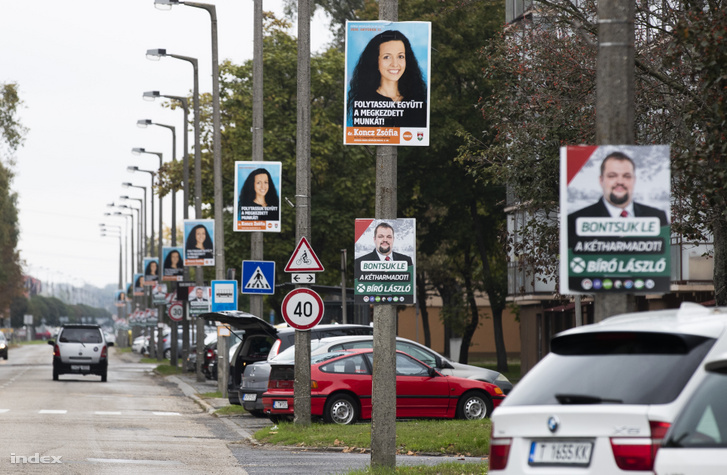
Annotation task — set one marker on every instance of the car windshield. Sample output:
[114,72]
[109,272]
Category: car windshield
[288,355]
[651,368]
[703,421]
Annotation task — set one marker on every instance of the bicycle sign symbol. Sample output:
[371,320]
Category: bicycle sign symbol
[304,259]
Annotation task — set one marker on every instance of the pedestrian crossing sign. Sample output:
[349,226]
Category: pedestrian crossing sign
[258,277]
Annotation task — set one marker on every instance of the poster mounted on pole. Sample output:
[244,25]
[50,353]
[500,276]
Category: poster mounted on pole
[199,242]
[614,230]
[257,196]
[172,264]
[387,83]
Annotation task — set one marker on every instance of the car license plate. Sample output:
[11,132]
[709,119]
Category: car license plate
[560,453]
[249,397]
[80,367]
[280,404]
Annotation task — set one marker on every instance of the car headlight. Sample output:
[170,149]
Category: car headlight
[502,377]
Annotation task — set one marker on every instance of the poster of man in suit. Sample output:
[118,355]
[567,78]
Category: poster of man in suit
[614,227]
[384,268]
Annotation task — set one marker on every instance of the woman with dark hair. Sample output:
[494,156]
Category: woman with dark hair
[199,245]
[151,272]
[258,198]
[387,86]
[173,264]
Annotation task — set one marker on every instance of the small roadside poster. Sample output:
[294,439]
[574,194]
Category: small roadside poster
[151,270]
[257,196]
[172,264]
[385,261]
[199,242]
[199,299]
[387,83]
[615,202]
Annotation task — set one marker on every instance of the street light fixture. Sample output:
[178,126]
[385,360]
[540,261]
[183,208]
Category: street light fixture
[142,222]
[139,151]
[131,185]
[104,232]
[155,55]
[133,169]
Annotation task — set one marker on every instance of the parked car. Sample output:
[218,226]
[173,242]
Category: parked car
[696,443]
[80,349]
[139,343]
[603,399]
[3,346]
[255,378]
[261,339]
[341,390]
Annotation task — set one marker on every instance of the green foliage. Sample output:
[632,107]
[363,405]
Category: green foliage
[50,309]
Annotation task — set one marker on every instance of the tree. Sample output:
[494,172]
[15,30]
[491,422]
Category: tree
[545,69]
[11,137]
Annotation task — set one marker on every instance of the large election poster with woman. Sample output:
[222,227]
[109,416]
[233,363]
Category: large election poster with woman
[199,242]
[257,196]
[387,83]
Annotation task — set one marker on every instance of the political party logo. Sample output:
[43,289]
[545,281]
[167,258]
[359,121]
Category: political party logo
[607,284]
[597,284]
[361,288]
[577,265]
[587,284]
[420,136]
[407,136]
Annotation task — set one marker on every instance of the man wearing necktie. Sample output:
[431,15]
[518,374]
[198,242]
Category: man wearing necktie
[383,247]
[617,180]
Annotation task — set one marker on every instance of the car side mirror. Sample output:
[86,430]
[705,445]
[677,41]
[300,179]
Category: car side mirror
[51,342]
[445,364]
[433,373]
[109,343]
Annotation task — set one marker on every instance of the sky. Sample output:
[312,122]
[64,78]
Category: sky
[81,70]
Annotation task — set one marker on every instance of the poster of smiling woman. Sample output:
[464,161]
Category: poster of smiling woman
[199,242]
[172,263]
[257,196]
[387,83]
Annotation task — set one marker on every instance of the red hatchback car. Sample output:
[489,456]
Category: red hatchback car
[341,390]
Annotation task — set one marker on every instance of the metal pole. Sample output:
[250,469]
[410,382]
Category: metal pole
[344,320]
[383,418]
[302,400]
[256,238]
[615,105]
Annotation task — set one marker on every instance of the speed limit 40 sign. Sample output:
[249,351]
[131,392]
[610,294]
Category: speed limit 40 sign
[302,309]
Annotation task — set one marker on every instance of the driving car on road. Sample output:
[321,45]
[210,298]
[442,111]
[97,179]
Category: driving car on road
[696,443]
[255,378]
[341,390]
[3,346]
[603,399]
[80,349]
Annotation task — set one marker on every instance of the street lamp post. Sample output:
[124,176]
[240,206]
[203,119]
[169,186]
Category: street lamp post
[104,233]
[139,151]
[151,205]
[141,228]
[126,246]
[133,233]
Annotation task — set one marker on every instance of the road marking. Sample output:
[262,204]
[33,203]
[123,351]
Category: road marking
[4,410]
[52,411]
[166,413]
[136,462]
[107,413]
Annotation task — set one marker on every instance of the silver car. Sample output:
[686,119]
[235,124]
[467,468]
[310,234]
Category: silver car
[80,349]
[255,377]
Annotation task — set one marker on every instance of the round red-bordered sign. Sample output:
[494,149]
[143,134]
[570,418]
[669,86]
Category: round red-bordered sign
[176,311]
[302,309]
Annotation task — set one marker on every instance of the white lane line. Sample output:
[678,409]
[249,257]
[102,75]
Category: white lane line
[107,413]
[52,411]
[4,410]
[166,414]
[136,462]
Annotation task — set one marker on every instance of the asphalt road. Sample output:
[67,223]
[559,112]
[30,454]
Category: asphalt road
[135,422]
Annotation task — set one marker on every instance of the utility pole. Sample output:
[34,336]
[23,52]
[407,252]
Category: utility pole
[615,105]
[256,238]
[301,386]
[383,418]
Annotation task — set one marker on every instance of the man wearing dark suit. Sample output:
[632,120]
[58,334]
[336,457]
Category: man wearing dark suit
[383,247]
[617,179]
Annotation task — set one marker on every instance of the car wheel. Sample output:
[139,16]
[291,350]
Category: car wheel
[341,409]
[55,375]
[103,376]
[168,353]
[5,356]
[473,406]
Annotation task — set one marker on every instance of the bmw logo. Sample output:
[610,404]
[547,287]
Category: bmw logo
[553,424]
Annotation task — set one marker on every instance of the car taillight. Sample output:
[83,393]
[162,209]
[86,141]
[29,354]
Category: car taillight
[56,350]
[103,352]
[638,453]
[210,354]
[499,450]
[275,349]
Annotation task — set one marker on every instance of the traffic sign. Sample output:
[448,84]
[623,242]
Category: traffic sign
[176,311]
[258,277]
[224,295]
[303,278]
[304,259]
[302,309]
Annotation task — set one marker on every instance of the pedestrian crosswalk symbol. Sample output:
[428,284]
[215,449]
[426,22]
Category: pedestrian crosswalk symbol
[258,277]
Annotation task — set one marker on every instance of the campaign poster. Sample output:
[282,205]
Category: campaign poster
[199,242]
[385,261]
[172,264]
[257,196]
[151,270]
[387,83]
[138,285]
[615,203]
[120,298]
[199,299]
[159,294]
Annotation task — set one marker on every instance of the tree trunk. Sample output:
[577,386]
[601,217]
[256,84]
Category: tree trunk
[422,299]
[474,322]
[719,229]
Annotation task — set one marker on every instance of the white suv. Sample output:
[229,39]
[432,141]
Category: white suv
[80,349]
[602,400]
